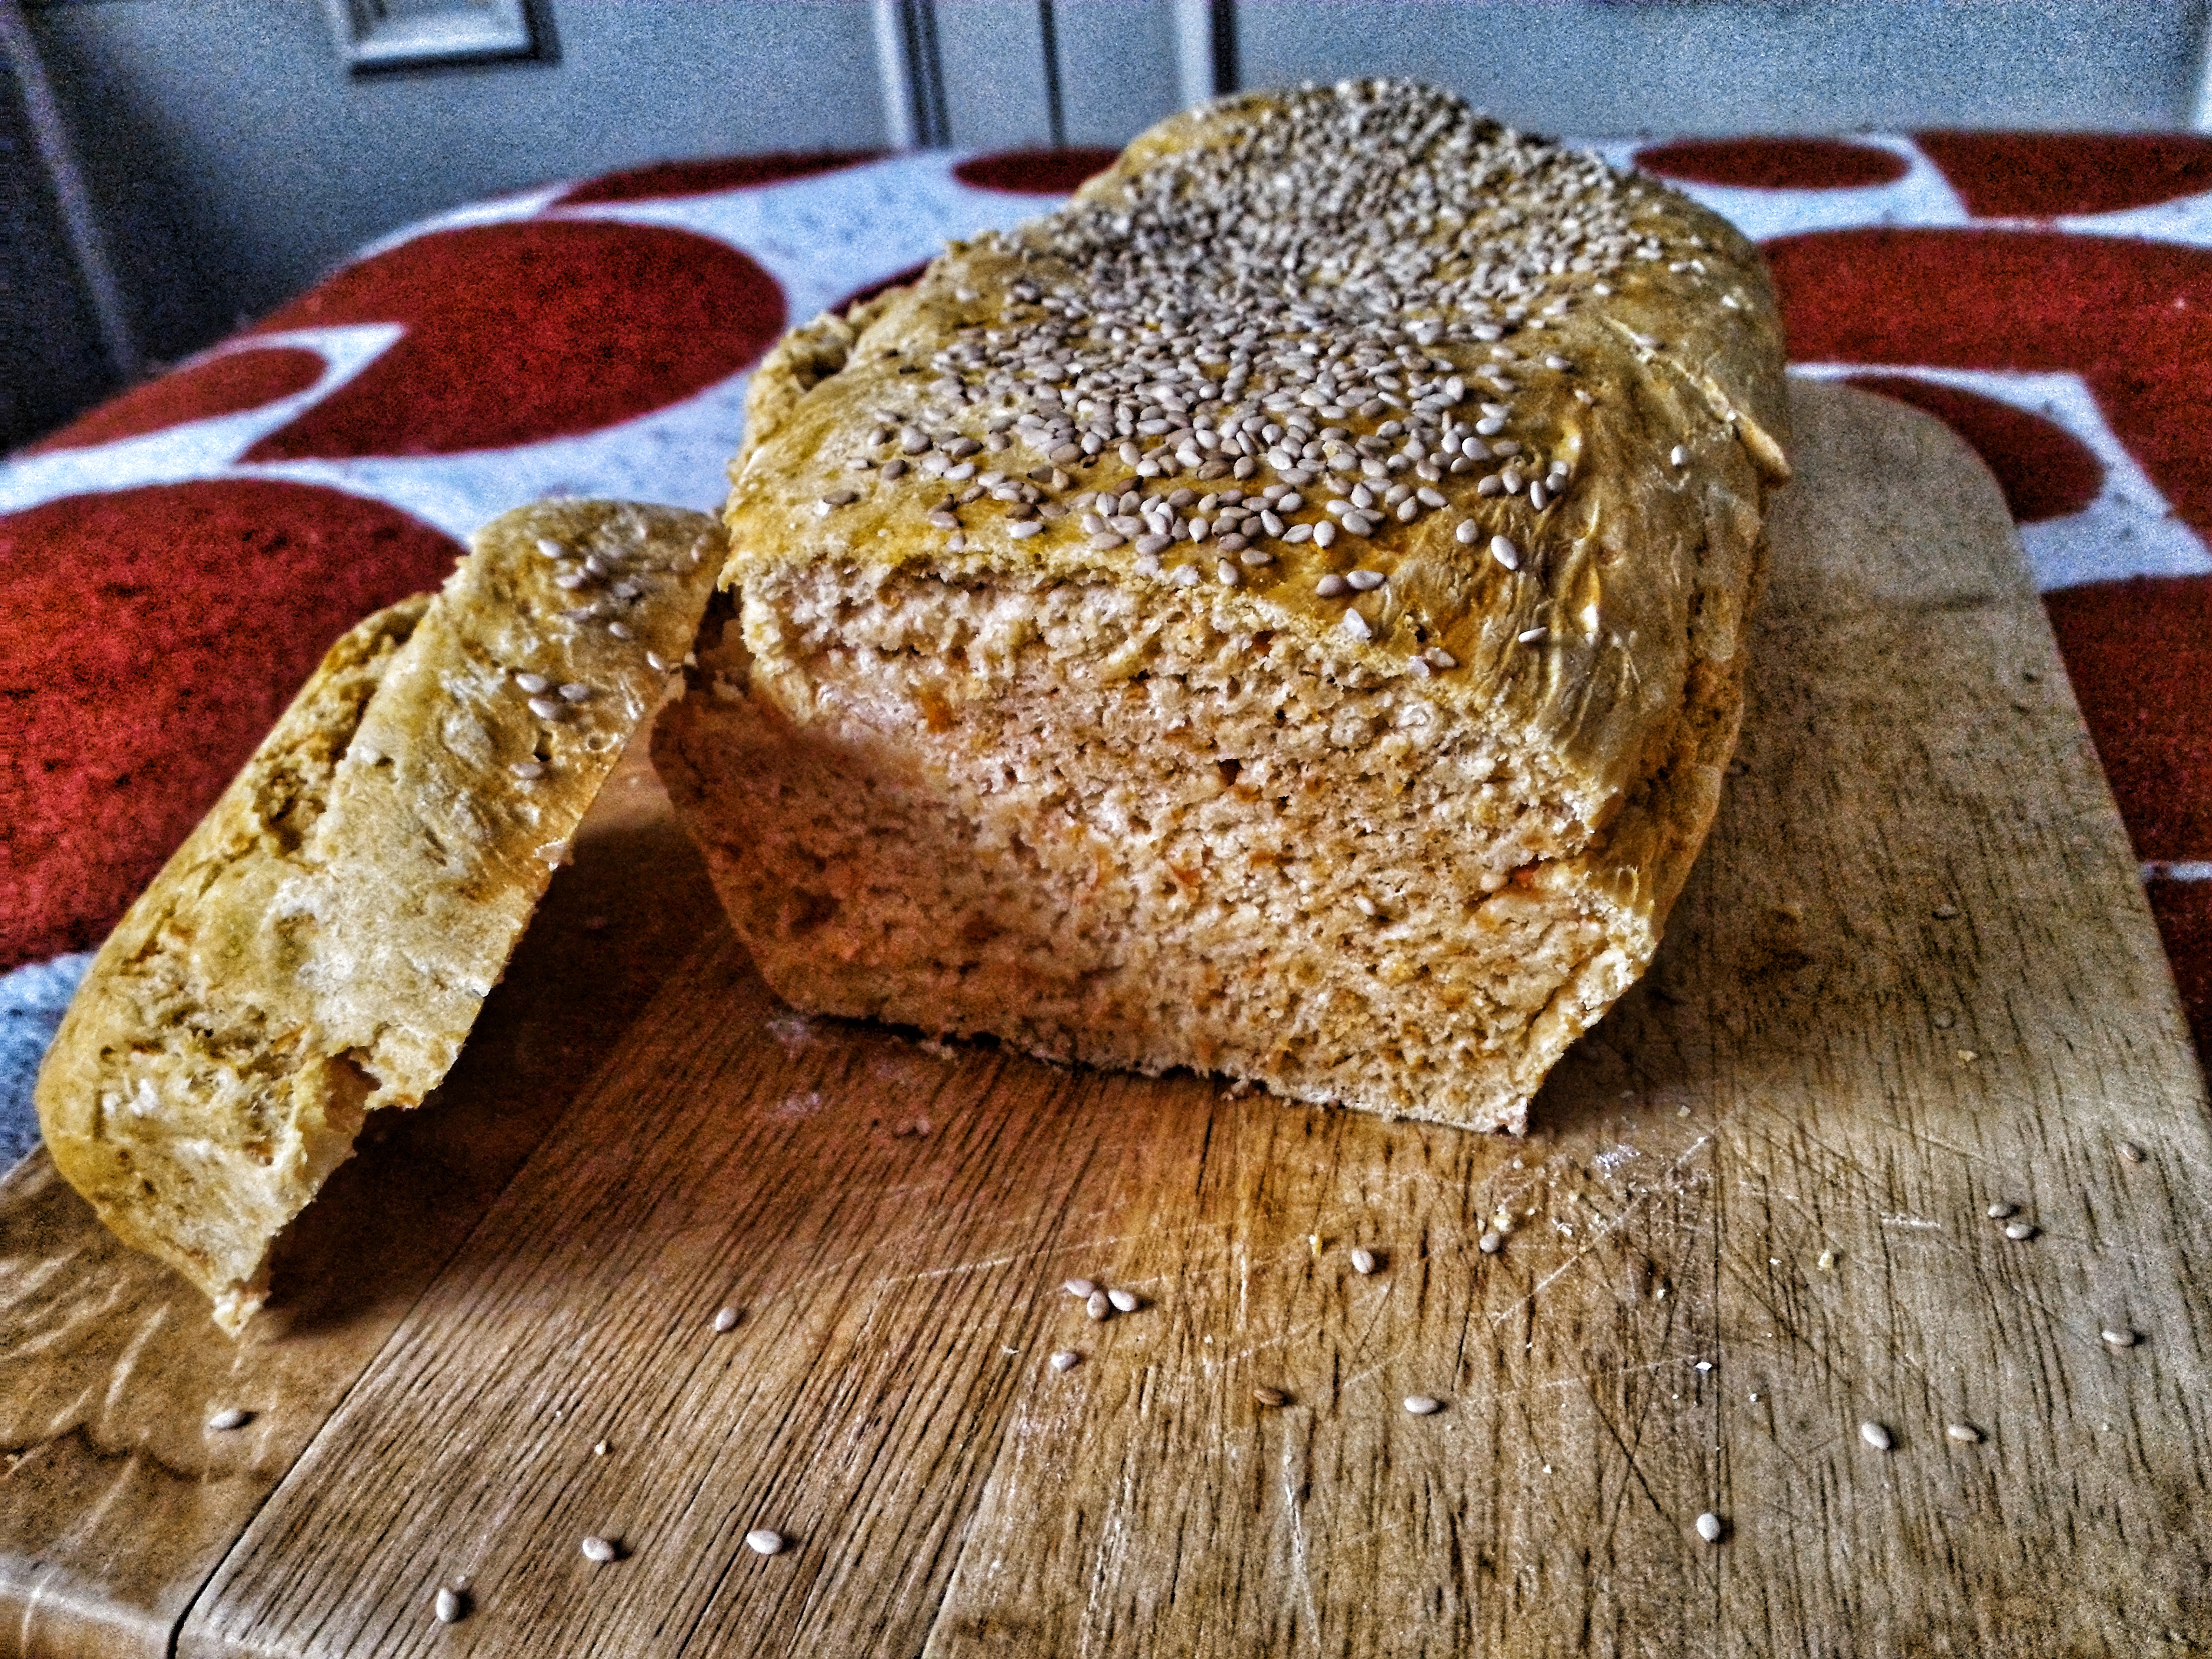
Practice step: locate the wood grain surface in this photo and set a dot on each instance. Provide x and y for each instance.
(116, 1499)
(1913, 977)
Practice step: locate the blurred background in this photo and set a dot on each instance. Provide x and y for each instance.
(173, 166)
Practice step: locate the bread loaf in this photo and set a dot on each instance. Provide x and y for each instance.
(1280, 615)
(319, 947)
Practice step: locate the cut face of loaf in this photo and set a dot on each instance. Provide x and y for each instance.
(1210, 629)
(319, 946)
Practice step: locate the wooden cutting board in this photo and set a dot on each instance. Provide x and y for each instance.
(1913, 978)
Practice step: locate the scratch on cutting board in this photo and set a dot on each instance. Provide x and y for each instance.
(1911, 1221)
(1298, 1539)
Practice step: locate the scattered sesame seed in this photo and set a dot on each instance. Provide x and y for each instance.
(1123, 1301)
(1079, 1287)
(1874, 1435)
(1421, 1406)
(601, 1447)
(762, 1540)
(600, 1549)
(1364, 1261)
(1944, 912)
(1679, 456)
(230, 1417)
(1266, 1396)
(1491, 1242)
(1066, 1360)
(1098, 1305)
(2129, 1150)
(2119, 1337)
(726, 1320)
(446, 1607)
(2001, 1210)
(1965, 1433)
(1530, 635)
(2019, 1231)
(1710, 1527)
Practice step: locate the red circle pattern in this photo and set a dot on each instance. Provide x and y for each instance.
(228, 383)
(149, 638)
(1775, 163)
(519, 332)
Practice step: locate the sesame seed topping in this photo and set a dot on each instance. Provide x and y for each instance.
(1679, 456)
(1530, 635)
(1331, 586)
(533, 684)
(575, 692)
(1363, 581)
(551, 549)
(1356, 625)
(529, 771)
(1502, 550)
(1022, 529)
(548, 708)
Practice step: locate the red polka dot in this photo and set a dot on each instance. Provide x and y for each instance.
(2044, 470)
(2184, 909)
(882, 285)
(1034, 172)
(2133, 319)
(221, 385)
(710, 177)
(524, 332)
(1775, 163)
(2028, 175)
(148, 641)
(2140, 654)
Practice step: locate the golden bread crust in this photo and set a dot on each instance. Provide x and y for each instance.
(319, 945)
(1346, 392)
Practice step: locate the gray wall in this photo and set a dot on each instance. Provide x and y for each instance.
(235, 159)
(231, 157)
